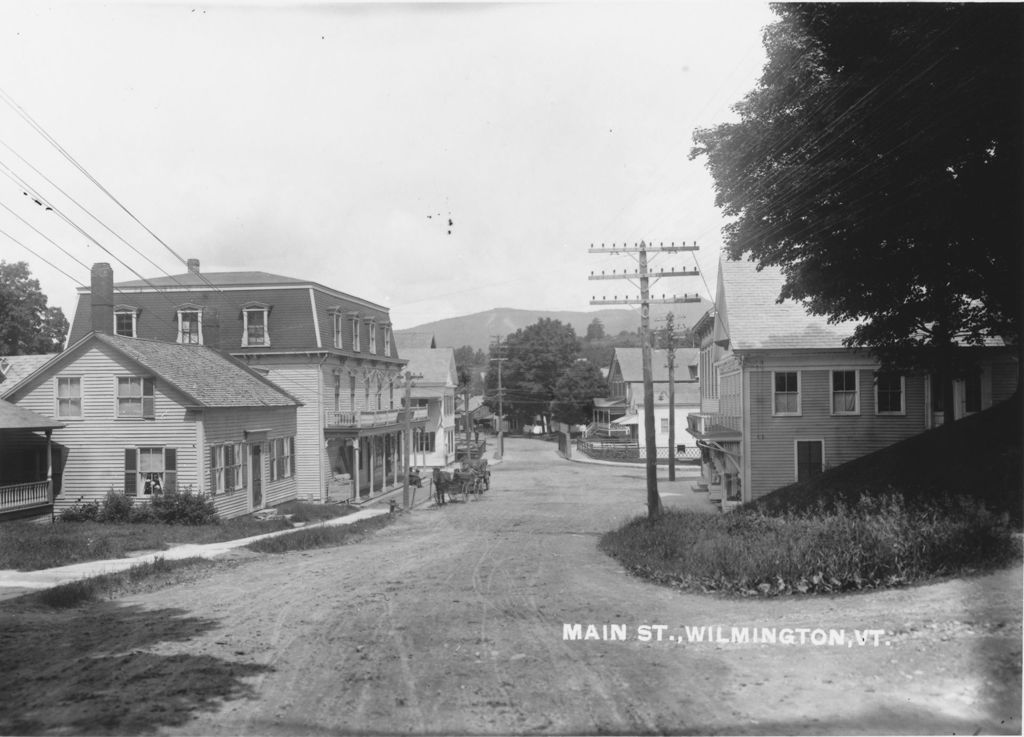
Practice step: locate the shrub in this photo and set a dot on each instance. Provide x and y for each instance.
(81, 512)
(116, 507)
(184, 508)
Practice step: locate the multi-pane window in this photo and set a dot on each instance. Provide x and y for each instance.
(844, 393)
(371, 328)
(391, 395)
(352, 392)
(149, 471)
(135, 397)
(664, 424)
(889, 394)
(255, 327)
(387, 340)
(282, 452)
(787, 393)
(190, 326)
(380, 391)
(337, 392)
(227, 468)
(339, 323)
(356, 338)
(69, 397)
(124, 322)
(425, 442)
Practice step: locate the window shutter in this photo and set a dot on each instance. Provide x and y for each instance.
(131, 478)
(148, 408)
(170, 469)
(213, 470)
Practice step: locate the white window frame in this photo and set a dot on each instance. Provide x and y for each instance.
(120, 311)
(282, 463)
(339, 326)
(168, 478)
(252, 309)
(222, 470)
(387, 341)
(145, 382)
(903, 399)
(664, 425)
(832, 393)
(356, 337)
(371, 329)
(199, 324)
(71, 381)
(799, 394)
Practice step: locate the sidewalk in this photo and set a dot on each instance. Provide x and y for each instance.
(17, 583)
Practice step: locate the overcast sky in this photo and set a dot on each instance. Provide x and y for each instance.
(333, 142)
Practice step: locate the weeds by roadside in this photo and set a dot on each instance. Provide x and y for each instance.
(320, 537)
(877, 542)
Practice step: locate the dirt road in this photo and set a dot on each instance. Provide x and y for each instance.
(452, 620)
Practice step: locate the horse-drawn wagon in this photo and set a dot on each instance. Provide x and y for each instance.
(472, 477)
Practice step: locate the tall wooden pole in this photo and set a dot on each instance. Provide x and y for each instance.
(671, 346)
(650, 441)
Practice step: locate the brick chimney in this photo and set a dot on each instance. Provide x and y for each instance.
(102, 298)
(193, 266)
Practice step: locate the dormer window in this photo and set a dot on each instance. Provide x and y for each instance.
(356, 337)
(190, 325)
(254, 325)
(387, 340)
(371, 328)
(339, 325)
(125, 320)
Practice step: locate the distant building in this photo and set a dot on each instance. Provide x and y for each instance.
(433, 392)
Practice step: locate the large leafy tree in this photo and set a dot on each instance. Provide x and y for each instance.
(27, 324)
(534, 359)
(878, 161)
(575, 391)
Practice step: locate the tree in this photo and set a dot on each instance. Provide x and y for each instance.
(474, 361)
(878, 162)
(535, 357)
(27, 324)
(595, 330)
(575, 391)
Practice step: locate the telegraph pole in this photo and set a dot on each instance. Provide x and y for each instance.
(644, 275)
(670, 345)
(501, 416)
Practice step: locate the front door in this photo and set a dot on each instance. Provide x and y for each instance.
(809, 457)
(257, 477)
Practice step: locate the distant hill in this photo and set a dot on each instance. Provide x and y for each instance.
(478, 330)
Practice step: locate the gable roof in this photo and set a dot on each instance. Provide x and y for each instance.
(434, 365)
(15, 369)
(207, 377)
(631, 364)
(407, 339)
(751, 317)
(13, 417)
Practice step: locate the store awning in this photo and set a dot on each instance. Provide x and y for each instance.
(627, 420)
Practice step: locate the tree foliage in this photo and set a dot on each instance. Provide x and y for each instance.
(27, 324)
(575, 392)
(879, 162)
(595, 330)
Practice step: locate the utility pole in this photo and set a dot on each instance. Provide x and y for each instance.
(501, 416)
(644, 275)
(670, 346)
(409, 376)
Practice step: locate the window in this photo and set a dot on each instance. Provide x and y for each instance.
(135, 397)
(371, 328)
(845, 397)
(124, 321)
(972, 393)
(387, 340)
(339, 324)
(356, 338)
(282, 451)
(664, 424)
(787, 393)
(391, 394)
(889, 391)
(69, 397)
(254, 328)
(810, 456)
(352, 392)
(425, 442)
(227, 468)
(337, 392)
(190, 325)
(149, 471)
(380, 391)
(366, 393)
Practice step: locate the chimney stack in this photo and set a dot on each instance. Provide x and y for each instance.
(102, 298)
(193, 266)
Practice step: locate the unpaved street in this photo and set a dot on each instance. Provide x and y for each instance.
(451, 621)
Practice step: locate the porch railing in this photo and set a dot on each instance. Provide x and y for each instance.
(14, 497)
(607, 430)
(372, 418)
(703, 422)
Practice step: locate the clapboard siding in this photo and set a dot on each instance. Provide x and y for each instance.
(1004, 380)
(771, 440)
(96, 443)
(304, 382)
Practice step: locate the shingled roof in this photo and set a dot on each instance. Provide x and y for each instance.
(754, 319)
(13, 417)
(632, 367)
(211, 378)
(15, 369)
(434, 365)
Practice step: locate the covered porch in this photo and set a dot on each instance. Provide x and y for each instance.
(31, 464)
(721, 462)
(368, 458)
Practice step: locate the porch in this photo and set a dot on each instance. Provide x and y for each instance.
(25, 496)
(30, 464)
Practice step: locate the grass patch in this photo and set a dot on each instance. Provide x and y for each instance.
(876, 543)
(321, 537)
(144, 576)
(307, 512)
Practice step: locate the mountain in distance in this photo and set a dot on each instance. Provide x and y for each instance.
(479, 329)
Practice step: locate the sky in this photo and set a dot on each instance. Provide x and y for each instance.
(334, 142)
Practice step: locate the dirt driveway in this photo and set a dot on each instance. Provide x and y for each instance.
(453, 620)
